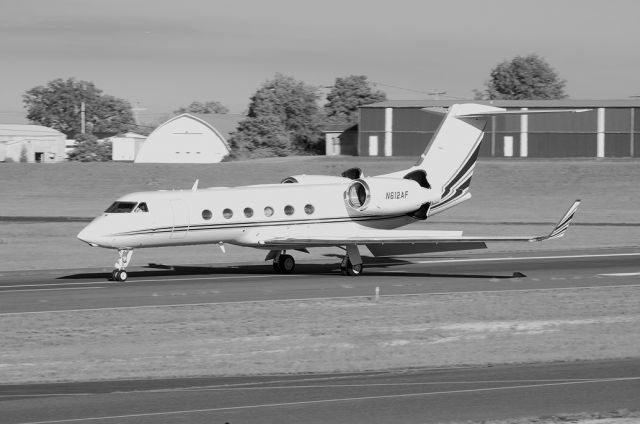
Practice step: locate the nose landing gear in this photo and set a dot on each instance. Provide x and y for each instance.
(120, 272)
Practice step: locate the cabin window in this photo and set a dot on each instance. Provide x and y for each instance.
(227, 213)
(268, 211)
(248, 212)
(288, 210)
(121, 207)
(142, 207)
(309, 209)
(206, 214)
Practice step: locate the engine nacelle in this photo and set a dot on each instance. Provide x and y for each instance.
(375, 195)
(315, 179)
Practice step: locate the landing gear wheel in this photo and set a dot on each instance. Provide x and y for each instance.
(354, 270)
(119, 275)
(350, 269)
(286, 264)
(124, 258)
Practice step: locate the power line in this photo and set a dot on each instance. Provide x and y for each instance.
(431, 92)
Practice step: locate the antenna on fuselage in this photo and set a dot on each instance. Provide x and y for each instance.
(195, 185)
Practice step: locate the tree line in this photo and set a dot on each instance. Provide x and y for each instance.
(284, 115)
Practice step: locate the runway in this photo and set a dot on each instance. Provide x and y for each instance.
(163, 284)
(406, 396)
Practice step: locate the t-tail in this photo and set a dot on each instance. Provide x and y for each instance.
(450, 157)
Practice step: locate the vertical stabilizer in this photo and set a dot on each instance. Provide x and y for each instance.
(450, 156)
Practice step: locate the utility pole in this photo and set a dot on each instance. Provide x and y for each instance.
(82, 119)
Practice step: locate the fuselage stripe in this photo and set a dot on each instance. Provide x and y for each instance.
(236, 225)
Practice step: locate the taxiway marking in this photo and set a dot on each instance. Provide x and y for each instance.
(307, 299)
(264, 386)
(528, 258)
(90, 283)
(56, 289)
(335, 400)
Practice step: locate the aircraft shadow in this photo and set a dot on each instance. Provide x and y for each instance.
(372, 268)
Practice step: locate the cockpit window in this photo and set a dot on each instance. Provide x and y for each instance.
(142, 207)
(121, 207)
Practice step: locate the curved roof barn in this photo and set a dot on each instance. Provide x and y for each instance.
(185, 138)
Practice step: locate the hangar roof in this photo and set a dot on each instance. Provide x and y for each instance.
(225, 123)
(27, 130)
(562, 103)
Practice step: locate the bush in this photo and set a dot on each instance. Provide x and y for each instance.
(89, 149)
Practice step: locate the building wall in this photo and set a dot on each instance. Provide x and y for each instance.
(601, 132)
(125, 148)
(40, 148)
(341, 143)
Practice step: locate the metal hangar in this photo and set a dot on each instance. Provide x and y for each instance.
(610, 129)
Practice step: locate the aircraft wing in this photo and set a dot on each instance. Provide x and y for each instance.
(382, 237)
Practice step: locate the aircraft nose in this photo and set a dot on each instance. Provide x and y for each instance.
(89, 235)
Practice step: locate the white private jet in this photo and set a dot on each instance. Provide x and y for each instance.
(306, 211)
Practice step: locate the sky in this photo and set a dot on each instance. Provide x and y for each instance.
(160, 55)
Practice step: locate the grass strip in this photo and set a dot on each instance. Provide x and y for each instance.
(321, 335)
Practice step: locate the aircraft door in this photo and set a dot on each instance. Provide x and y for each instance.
(180, 214)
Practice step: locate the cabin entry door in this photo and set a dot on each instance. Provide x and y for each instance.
(180, 219)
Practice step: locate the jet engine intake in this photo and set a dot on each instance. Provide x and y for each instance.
(377, 195)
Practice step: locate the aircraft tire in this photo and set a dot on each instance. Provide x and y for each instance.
(353, 270)
(119, 275)
(287, 264)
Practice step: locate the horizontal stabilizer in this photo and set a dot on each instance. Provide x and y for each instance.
(518, 112)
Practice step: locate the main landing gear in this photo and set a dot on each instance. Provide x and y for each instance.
(350, 269)
(282, 263)
(120, 271)
(351, 264)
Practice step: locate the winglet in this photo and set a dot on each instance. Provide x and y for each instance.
(195, 186)
(562, 225)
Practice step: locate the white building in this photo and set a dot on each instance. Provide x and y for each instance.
(188, 138)
(33, 143)
(127, 146)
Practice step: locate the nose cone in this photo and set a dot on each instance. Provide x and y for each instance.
(90, 235)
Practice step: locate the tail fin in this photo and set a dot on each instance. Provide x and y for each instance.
(450, 157)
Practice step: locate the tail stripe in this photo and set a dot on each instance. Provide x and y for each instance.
(468, 165)
(459, 184)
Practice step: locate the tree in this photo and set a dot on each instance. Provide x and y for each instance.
(523, 78)
(347, 95)
(206, 108)
(89, 149)
(286, 107)
(57, 105)
(23, 155)
(261, 137)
